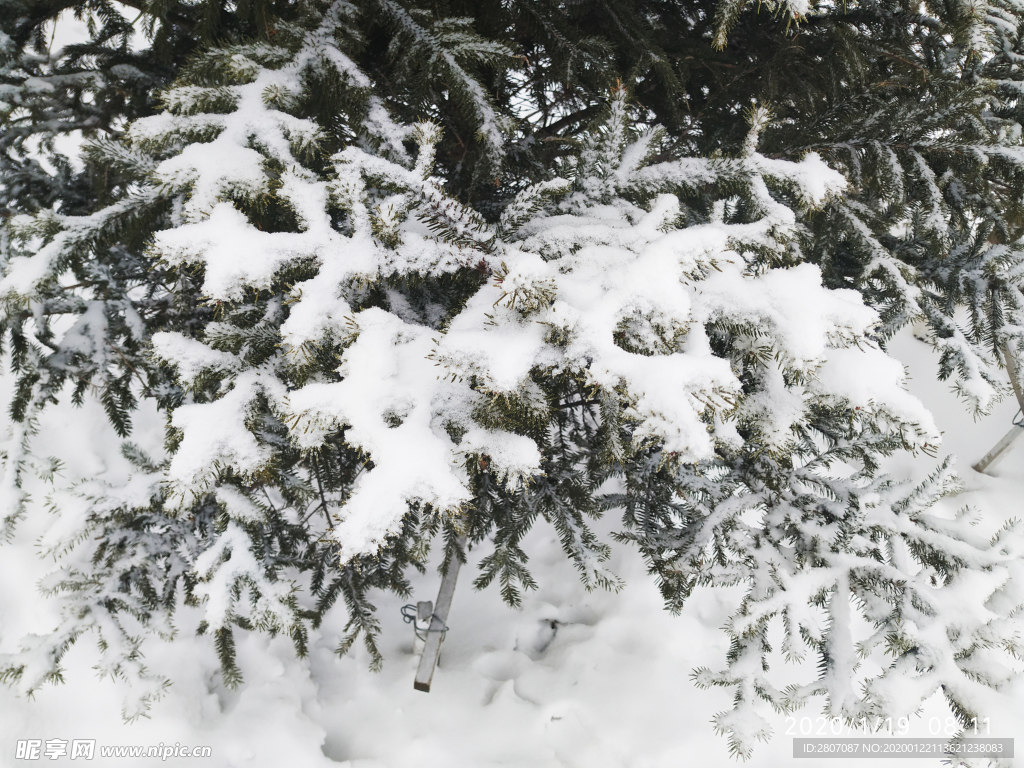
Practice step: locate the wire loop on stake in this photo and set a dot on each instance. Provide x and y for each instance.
(410, 615)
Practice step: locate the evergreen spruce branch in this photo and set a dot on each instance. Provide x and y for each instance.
(69, 238)
(15, 455)
(361, 621)
(115, 157)
(527, 204)
(947, 551)
(193, 100)
(169, 132)
(131, 574)
(447, 47)
(447, 218)
(236, 65)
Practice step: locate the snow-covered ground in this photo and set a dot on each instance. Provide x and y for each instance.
(576, 679)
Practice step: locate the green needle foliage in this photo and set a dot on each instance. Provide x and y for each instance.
(404, 274)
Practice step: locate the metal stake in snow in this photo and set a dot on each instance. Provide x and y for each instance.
(997, 453)
(438, 625)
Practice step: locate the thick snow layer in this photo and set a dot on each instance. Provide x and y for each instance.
(575, 679)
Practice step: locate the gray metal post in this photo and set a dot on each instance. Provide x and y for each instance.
(991, 458)
(438, 625)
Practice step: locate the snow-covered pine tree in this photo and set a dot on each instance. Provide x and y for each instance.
(293, 482)
(816, 537)
(929, 226)
(735, 398)
(917, 106)
(46, 97)
(229, 133)
(51, 100)
(895, 603)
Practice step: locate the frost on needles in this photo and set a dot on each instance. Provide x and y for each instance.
(355, 363)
